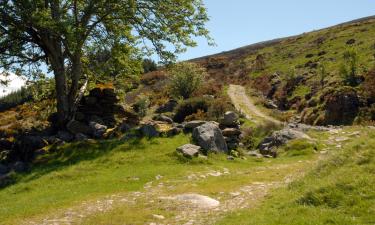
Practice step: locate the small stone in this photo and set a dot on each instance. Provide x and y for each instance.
(189, 150)
(231, 158)
(159, 217)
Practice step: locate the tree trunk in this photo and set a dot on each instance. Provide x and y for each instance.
(63, 107)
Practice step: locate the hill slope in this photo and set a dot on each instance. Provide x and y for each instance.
(303, 74)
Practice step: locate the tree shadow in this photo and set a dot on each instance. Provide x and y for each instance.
(71, 154)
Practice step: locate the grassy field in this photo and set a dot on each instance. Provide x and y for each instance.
(88, 172)
(338, 191)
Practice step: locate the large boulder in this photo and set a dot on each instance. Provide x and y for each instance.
(76, 127)
(189, 126)
(230, 119)
(189, 150)
(149, 130)
(209, 137)
(278, 138)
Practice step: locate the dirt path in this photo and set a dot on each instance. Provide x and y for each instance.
(185, 207)
(245, 105)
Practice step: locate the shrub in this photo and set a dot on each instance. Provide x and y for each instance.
(218, 107)
(185, 78)
(189, 107)
(349, 68)
(152, 77)
(149, 65)
(141, 106)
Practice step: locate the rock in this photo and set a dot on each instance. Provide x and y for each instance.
(3, 169)
(269, 104)
(159, 217)
(209, 137)
(228, 132)
(197, 200)
(230, 119)
(149, 130)
(19, 167)
(189, 150)
(279, 138)
(163, 118)
(341, 107)
(98, 130)
(81, 137)
(167, 107)
(231, 158)
(174, 131)
(76, 127)
(64, 136)
(193, 124)
(254, 154)
(350, 41)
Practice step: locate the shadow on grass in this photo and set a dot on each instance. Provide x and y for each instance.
(74, 153)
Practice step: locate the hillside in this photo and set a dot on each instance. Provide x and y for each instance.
(288, 71)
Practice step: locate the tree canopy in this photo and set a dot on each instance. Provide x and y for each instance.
(65, 34)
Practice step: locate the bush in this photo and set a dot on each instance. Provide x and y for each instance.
(189, 107)
(149, 65)
(218, 107)
(152, 77)
(185, 78)
(141, 106)
(349, 68)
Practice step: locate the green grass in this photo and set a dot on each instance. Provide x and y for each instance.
(88, 171)
(339, 191)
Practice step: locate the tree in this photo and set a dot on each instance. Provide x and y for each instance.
(62, 33)
(149, 65)
(185, 78)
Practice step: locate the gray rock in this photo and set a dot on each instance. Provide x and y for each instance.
(81, 137)
(189, 150)
(167, 107)
(230, 119)
(163, 118)
(279, 138)
(228, 132)
(65, 136)
(270, 104)
(209, 137)
(97, 129)
(174, 131)
(76, 127)
(3, 169)
(19, 167)
(149, 130)
(5, 180)
(193, 124)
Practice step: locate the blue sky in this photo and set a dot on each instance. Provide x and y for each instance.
(235, 23)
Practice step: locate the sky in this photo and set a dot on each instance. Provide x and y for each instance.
(14, 83)
(236, 23)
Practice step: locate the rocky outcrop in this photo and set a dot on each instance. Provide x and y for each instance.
(230, 119)
(269, 145)
(189, 150)
(210, 138)
(341, 107)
